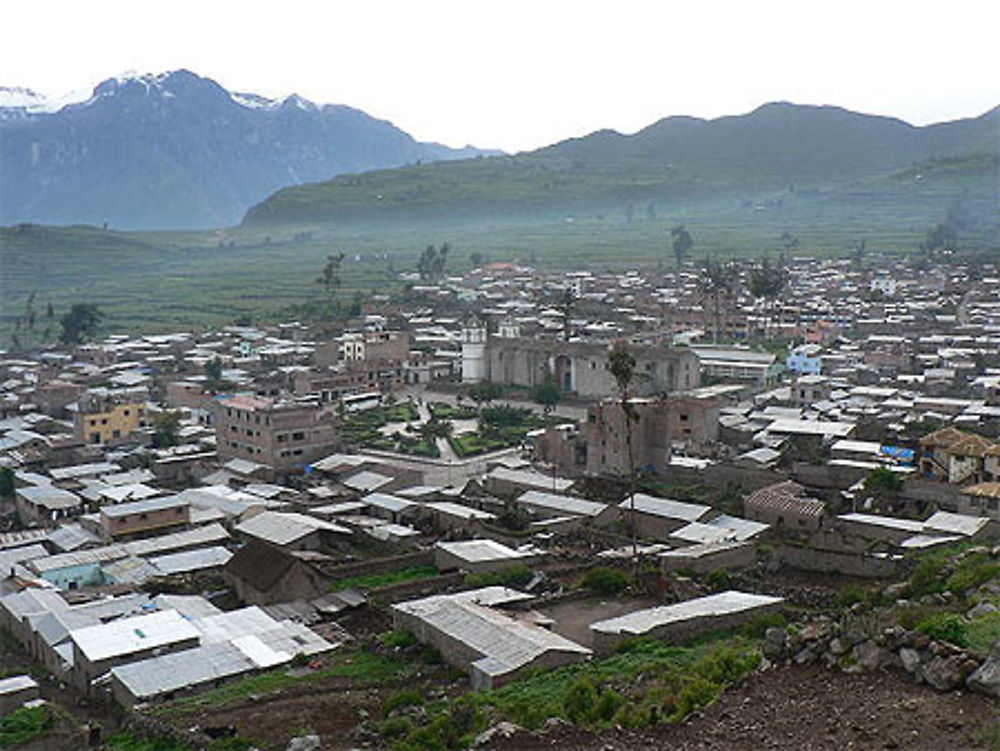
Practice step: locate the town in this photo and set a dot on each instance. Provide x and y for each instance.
(508, 504)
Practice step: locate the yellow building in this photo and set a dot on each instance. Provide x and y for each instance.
(114, 421)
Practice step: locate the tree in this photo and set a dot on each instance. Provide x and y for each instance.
(476, 259)
(213, 375)
(941, 237)
(717, 281)
(767, 281)
(567, 301)
(6, 482)
(883, 482)
(330, 276)
(80, 323)
(432, 262)
(789, 242)
(165, 427)
(484, 393)
(546, 393)
(622, 364)
(681, 242)
(435, 428)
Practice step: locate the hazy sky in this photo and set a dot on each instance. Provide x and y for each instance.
(518, 75)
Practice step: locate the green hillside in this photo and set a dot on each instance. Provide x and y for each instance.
(677, 163)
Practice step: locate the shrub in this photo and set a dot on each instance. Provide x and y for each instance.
(925, 578)
(718, 579)
(580, 700)
(849, 595)
(949, 627)
(513, 576)
(698, 693)
(398, 638)
(972, 571)
(605, 580)
(402, 699)
(396, 727)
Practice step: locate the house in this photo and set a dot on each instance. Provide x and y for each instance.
(683, 620)
(283, 435)
(955, 456)
(46, 504)
(263, 575)
(97, 649)
(655, 518)
(479, 556)
(785, 506)
(805, 359)
(143, 518)
(109, 415)
(472, 634)
(289, 530)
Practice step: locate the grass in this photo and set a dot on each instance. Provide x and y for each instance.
(125, 741)
(647, 682)
(981, 633)
(373, 581)
(367, 668)
(24, 724)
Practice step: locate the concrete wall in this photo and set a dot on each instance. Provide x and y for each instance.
(829, 561)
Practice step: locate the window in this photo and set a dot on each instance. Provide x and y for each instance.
(178, 511)
(282, 438)
(143, 517)
(125, 412)
(684, 418)
(298, 436)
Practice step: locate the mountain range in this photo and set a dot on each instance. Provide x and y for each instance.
(177, 150)
(779, 147)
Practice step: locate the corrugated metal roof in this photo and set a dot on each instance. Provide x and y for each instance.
(191, 560)
(146, 506)
(562, 504)
(130, 635)
(666, 508)
(285, 528)
(723, 603)
(388, 502)
(483, 550)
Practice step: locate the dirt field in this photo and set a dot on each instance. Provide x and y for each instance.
(573, 618)
(804, 709)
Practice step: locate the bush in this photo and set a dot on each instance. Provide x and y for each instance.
(972, 571)
(397, 639)
(949, 627)
(718, 579)
(849, 595)
(925, 578)
(396, 727)
(698, 693)
(580, 700)
(402, 699)
(605, 580)
(512, 576)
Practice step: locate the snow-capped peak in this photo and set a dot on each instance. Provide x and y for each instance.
(32, 102)
(253, 101)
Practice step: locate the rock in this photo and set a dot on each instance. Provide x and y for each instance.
(837, 646)
(806, 656)
(943, 673)
(895, 591)
(498, 731)
(869, 655)
(986, 678)
(304, 743)
(983, 608)
(775, 642)
(910, 659)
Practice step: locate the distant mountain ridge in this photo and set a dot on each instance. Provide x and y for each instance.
(177, 150)
(778, 146)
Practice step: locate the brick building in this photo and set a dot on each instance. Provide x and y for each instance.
(283, 435)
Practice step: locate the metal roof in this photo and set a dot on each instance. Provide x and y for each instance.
(191, 560)
(130, 635)
(285, 528)
(366, 481)
(483, 550)
(457, 509)
(666, 508)
(146, 506)
(560, 503)
(723, 603)
(206, 535)
(388, 502)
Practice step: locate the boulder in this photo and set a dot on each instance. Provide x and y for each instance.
(986, 678)
(870, 655)
(983, 608)
(944, 673)
(498, 731)
(304, 743)
(775, 642)
(910, 658)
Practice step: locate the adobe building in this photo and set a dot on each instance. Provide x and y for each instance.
(285, 436)
(663, 424)
(142, 518)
